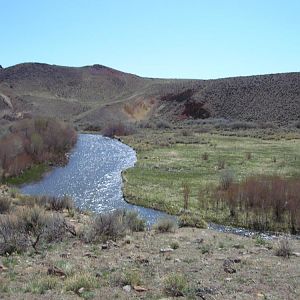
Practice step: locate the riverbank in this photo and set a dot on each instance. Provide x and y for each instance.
(171, 161)
(33, 145)
(194, 263)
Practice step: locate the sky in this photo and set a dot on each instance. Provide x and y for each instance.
(155, 38)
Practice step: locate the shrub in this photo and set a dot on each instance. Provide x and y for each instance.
(191, 220)
(248, 155)
(186, 132)
(81, 280)
(5, 204)
(107, 226)
(175, 285)
(260, 241)
(205, 156)
(66, 267)
(163, 124)
(206, 249)
(186, 195)
(118, 129)
(226, 179)
(242, 125)
(174, 245)
(133, 221)
(29, 227)
(56, 203)
(41, 285)
(12, 238)
(165, 225)
(132, 278)
(297, 124)
(221, 164)
(283, 249)
(32, 141)
(114, 225)
(270, 202)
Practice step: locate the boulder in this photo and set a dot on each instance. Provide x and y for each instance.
(127, 288)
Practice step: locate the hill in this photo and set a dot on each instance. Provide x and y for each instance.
(91, 96)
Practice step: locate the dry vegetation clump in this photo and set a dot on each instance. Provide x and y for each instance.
(205, 156)
(265, 202)
(81, 281)
(118, 129)
(5, 204)
(29, 227)
(33, 222)
(165, 225)
(155, 124)
(297, 124)
(283, 249)
(189, 219)
(33, 141)
(56, 203)
(226, 179)
(163, 124)
(175, 285)
(114, 225)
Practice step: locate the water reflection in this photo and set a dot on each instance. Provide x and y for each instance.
(93, 177)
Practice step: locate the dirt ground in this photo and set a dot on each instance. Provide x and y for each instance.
(215, 266)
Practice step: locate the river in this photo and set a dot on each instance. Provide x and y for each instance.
(92, 177)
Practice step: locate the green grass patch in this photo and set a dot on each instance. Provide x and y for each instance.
(157, 179)
(35, 173)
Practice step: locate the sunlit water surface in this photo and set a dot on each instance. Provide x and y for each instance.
(92, 177)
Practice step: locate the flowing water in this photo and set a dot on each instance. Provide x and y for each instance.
(92, 177)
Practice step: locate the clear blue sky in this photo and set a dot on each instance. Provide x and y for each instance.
(155, 38)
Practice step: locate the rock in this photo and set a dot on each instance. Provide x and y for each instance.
(194, 270)
(297, 254)
(90, 255)
(166, 250)
(199, 241)
(65, 255)
(127, 239)
(81, 290)
(56, 272)
(220, 258)
(104, 247)
(127, 288)
(229, 270)
(235, 260)
(202, 292)
(138, 288)
(228, 266)
(228, 279)
(2, 268)
(142, 260)
(177, 260)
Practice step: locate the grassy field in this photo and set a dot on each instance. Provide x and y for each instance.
(169, 159)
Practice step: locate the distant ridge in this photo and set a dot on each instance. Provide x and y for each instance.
(94, 95)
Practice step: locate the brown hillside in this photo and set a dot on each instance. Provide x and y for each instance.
(94, 95)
